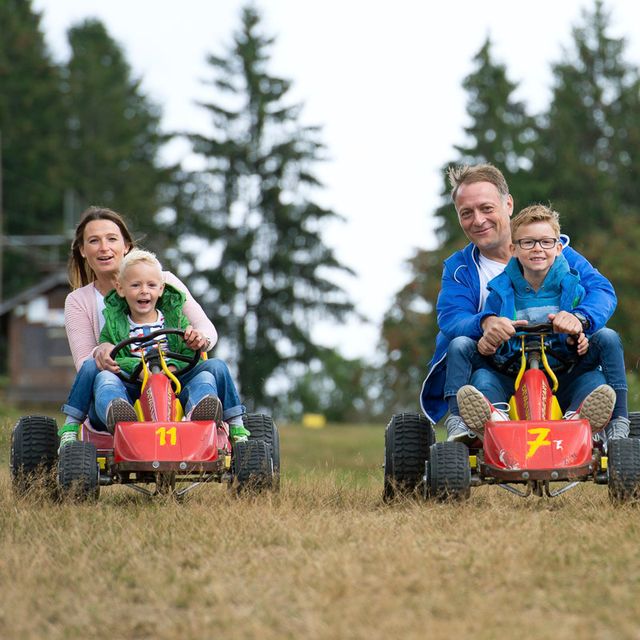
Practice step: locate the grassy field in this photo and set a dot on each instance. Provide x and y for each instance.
(323, 559)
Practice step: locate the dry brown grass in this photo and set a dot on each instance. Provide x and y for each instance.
(324, 559)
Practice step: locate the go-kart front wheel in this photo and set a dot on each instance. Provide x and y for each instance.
(253, 465)
(262, 427)
(634, 424)
(78, 475)
(623, 469)
(407, 439)
(34, 451)
(449, 473)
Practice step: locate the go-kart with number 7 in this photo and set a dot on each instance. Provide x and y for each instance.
(535, 451)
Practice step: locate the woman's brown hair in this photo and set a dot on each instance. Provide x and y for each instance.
(79, 272)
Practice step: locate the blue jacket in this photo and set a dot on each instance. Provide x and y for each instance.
(561, 281)
(459, 313)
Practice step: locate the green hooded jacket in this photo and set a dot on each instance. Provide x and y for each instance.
(116, 327)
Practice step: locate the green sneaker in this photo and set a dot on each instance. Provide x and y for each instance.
(238, 433)
(68, 433)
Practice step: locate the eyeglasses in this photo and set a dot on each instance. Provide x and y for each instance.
(529, 243)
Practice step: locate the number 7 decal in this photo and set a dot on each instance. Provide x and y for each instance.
(540, 441)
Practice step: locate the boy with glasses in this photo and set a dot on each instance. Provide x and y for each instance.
(536, 286)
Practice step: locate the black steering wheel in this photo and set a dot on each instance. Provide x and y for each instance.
(535, 331)
(154, 359)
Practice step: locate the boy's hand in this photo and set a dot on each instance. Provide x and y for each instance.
(194, 339)
(565, 322)
(498, 330)
(581, 341)
(485, 348)
(104, 361)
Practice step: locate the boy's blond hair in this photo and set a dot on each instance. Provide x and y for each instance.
(536, 213)
(138, 256)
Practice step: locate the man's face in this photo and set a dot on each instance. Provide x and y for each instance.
(484, 216)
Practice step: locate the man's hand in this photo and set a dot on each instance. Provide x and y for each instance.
(498, 330)
(103, 360)
(194, 339)
(565, 322)
(581, 341)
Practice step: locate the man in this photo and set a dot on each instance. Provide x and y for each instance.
(484, 206)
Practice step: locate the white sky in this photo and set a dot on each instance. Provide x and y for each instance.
(383, 78)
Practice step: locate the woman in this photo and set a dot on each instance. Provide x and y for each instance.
(101, 240)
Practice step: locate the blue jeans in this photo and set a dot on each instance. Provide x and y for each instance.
(605, 351)
(209, 377)
(572, 390)
(462, 360)
(80, 404)
(603, 363)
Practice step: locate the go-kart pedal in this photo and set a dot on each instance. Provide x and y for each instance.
(209, 408)
(119, 410)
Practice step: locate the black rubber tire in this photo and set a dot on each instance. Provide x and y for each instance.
(253, 466)
(449, 472)
(634, 424)
(262, 427)
(407, 439)
(34, 453)
(78, 474)
(624, 470)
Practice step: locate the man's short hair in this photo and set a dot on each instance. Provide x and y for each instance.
(536, 213)
(468, 174)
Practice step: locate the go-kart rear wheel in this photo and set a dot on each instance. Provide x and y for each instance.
(407, 439)
(262, 427)
(634, 424)
(253, 465)
(34, 451)
(78, 474)
(449, 475)
(623, 470)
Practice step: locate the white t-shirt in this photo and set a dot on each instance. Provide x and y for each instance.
(100, 307)
(488, 269)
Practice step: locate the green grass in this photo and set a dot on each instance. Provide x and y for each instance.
(353, 452)
(324, 558)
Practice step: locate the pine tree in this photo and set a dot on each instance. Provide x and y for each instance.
(32, 138)
(589, 165)
(589, 162)
(261, 262)
(114, 131)
(501, 132)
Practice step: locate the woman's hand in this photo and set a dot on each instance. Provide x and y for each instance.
(194, 339)
(103, 360)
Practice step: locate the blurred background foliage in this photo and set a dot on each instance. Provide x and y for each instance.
(245, 230)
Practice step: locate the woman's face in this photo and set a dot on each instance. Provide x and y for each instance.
(103, 247)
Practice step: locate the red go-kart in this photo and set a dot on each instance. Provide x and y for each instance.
(160, 448)
(534, 452)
